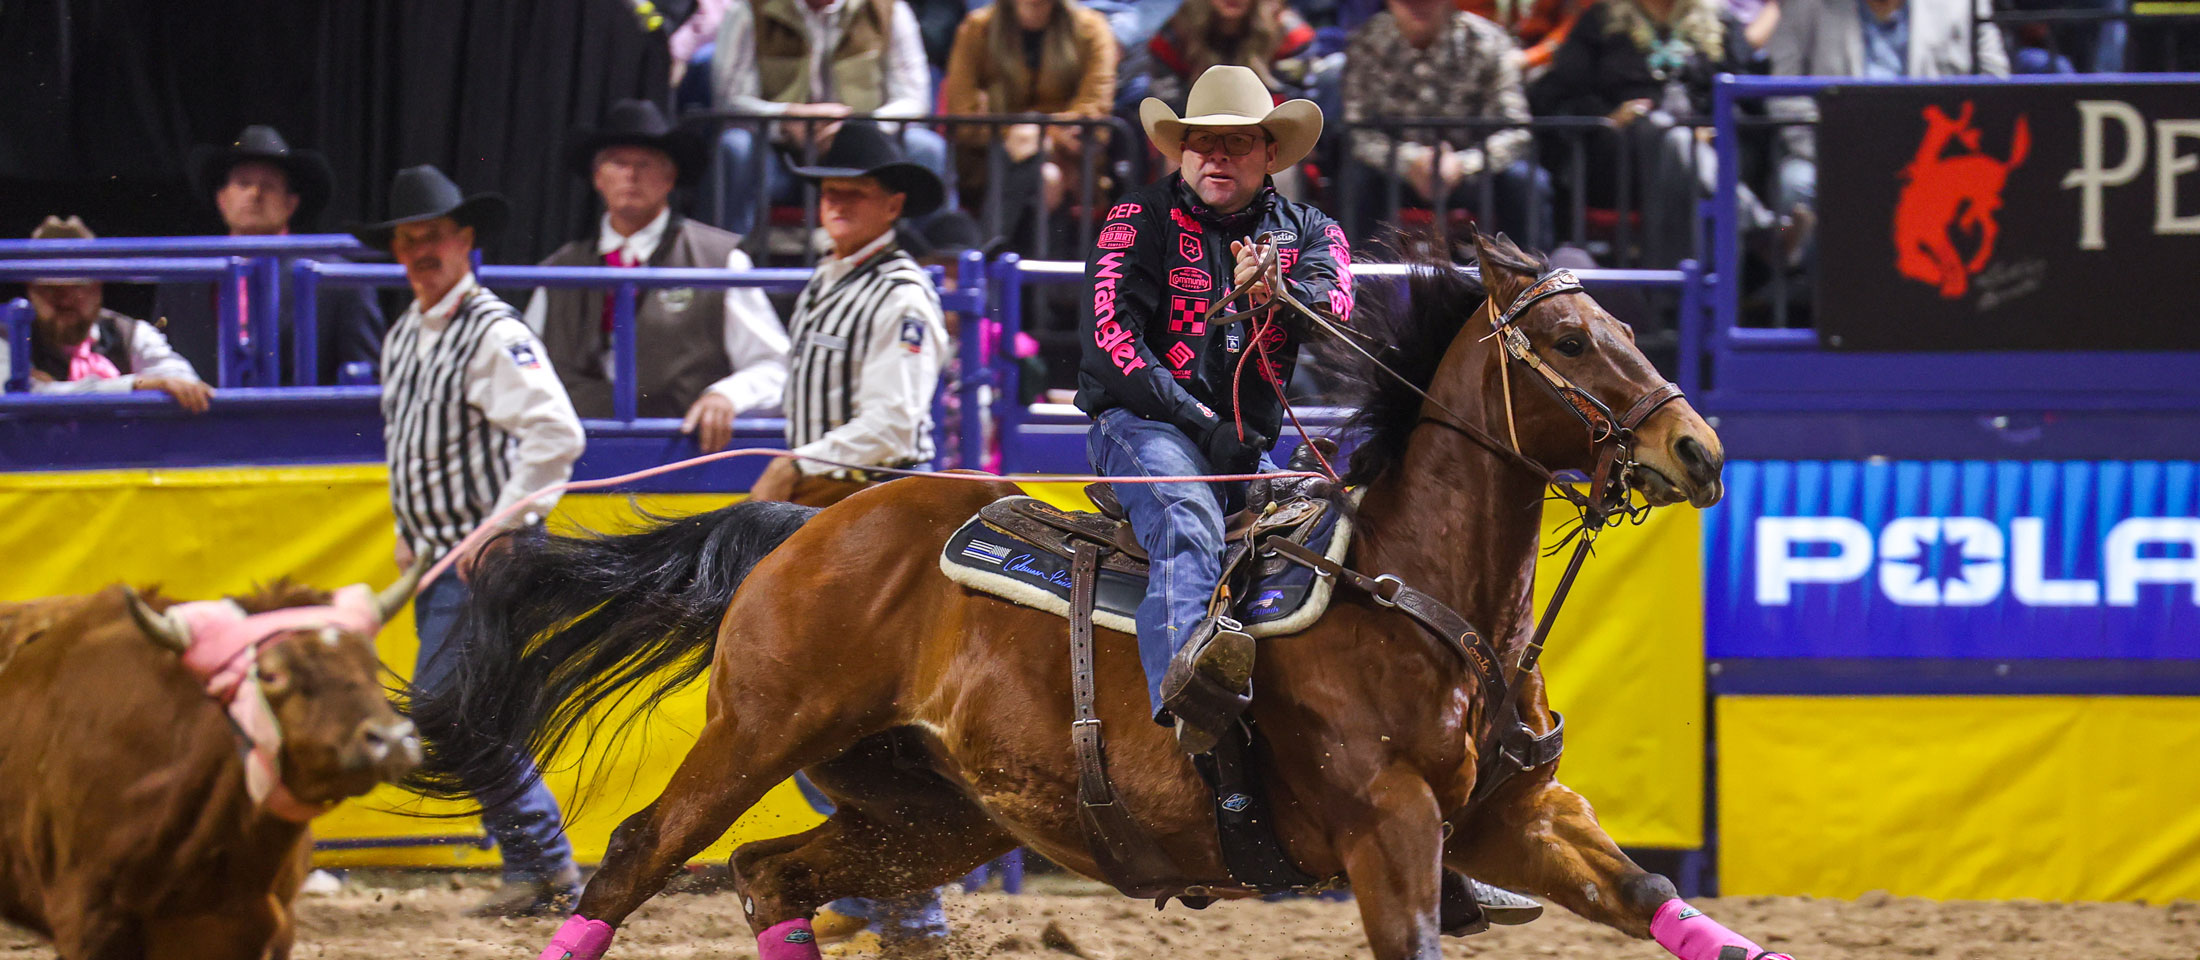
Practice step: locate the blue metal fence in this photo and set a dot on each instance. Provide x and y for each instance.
(247, 357)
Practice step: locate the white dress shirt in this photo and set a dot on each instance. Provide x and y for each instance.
(525, 401)
(756, 343)
(893, 398)
(150, 356)
(908, 76)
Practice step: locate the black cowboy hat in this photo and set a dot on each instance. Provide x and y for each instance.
(309, 172)
(424, 193)
(861, 149)
(639, 123)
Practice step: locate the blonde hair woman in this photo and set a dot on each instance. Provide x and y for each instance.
(1055, 57)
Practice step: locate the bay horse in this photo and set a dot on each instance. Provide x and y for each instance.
(938, 719)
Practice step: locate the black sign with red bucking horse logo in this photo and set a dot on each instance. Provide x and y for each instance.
(1995, 216)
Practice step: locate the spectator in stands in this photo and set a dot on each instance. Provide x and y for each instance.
(704, 355)
(694, 36)
(1043, 56)
(263, 187)
(1866, 38)
(1648, 66)
(474, 422)
(867, 331)
(818, 61)
(79, 346)
(1265, 35)
(1423, 58)
(1545, 26)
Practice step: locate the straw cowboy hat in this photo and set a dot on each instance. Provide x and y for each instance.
(1233, 96)
(424, 193)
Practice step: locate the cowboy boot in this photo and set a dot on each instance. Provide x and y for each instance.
(1209, 683)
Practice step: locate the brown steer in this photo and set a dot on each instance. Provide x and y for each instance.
(126, 826)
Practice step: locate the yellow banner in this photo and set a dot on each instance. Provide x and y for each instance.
(2055, 798)
(203, 533)
(1625, 664)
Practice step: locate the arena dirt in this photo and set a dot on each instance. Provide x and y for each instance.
(378, 919)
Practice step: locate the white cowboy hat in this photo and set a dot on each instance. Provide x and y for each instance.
(1233, 96)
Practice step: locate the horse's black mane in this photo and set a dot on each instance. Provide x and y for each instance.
(1439, 299)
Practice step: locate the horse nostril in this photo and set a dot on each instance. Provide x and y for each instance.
(1692, 454)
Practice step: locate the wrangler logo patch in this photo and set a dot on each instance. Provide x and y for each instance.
(1107, 333)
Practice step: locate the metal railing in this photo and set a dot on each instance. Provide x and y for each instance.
(1479, 133)
(624, 284)
(247, 357)
(1097, 136)
(2139, 13)
(298, 245)
(262, 282)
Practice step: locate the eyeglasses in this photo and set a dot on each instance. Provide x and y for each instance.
(1233, 144)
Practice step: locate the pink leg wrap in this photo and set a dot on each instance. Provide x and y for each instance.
(788, 940)
(580, 938)
(1686, 933)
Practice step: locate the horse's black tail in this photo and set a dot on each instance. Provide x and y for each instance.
(561, 634)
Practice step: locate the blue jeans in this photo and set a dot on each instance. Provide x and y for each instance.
(1178, 524)
(746, 177)
(528, 830)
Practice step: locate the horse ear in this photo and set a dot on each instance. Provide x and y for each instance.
(1502, 282)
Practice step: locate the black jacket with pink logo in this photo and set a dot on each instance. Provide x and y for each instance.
(1157, 265)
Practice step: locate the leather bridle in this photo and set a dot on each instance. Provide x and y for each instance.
(1612, 435)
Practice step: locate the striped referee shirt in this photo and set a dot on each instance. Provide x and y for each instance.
(473, 418)
(868, 340)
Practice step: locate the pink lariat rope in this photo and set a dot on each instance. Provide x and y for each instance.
(489, 527)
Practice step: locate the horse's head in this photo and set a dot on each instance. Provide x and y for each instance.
(1677, 455)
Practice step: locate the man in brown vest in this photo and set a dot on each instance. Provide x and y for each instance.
(701, 355)
(819, 61)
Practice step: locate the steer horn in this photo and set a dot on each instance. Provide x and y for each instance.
(163, 629)
(393, 597)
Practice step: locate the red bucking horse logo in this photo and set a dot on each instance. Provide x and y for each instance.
(1947, 193)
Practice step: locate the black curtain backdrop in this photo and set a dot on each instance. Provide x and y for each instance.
(105, 98)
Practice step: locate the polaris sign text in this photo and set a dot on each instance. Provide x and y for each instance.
(1956, 560)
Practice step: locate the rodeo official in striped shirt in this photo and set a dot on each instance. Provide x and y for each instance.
(868, 333)
(474, 420)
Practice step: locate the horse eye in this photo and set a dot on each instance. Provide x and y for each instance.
(1572, 346)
